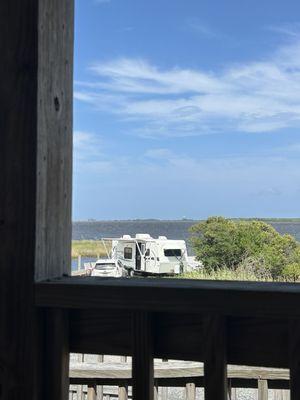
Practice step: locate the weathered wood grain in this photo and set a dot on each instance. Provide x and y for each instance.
(142, 356)
(35, 47)
(172, 369)
(92, 392)
(190, 391)
(54, 139)
(123, 392)
(262, 390)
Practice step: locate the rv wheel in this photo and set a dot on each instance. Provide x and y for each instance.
(131, 273)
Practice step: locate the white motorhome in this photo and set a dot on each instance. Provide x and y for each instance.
(145, 255)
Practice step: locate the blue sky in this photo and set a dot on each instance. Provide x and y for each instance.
(186, 109)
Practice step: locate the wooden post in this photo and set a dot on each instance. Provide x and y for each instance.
(190, 391)
(215, 361)
(123, 389)
(79, 262)
(164, 389)
(92, 392)
(56, 360)
(294, 359)
(142, 357)
(123, 392)
(35, 179)
(262, 389)
(100, 387)
(80, 394)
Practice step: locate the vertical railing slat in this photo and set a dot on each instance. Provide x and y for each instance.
(123, 392)
(190, 391)
(92, 392)
(142, 356)
(100, 387)
(215, 360)
(294, 359)
(262, 388)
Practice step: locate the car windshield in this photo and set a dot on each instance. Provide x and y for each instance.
(100, 266)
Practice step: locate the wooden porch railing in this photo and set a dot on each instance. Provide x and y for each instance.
(116, 376)
(218, 323)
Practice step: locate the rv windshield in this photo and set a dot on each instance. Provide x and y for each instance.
(172, 252)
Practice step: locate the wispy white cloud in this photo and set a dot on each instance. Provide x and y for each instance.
(86, 144)
(287, 29)
(200, 27)
(258, 96)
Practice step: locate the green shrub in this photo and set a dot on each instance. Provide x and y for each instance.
(291, 272)
(252, 246)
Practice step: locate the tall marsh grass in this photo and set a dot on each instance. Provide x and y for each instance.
(89, 248)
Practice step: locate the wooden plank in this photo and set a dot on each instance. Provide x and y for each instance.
(35, 51)
(142, 356)
(123, 389)
(262, 390)
(123, 392)
(80, 394)
(173, 369)
(215, 362)
(190, 391)
(54, 155)
(294, 355)
(92, 392)
(100, 387)
(173, 295)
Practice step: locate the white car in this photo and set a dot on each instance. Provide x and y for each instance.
(106, 267)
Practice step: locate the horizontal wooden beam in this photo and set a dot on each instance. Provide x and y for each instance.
(181, 382)
(175, 374)
(171, 370)
(193, 296)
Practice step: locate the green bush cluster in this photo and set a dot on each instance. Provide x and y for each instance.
(252, 246)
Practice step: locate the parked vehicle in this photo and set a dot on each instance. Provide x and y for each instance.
(105, 267)
(144, 255)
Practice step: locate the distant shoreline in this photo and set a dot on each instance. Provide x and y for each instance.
(185, 220)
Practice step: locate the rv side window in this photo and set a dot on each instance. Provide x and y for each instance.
(147, 254)
(172, 252)
(128, 253)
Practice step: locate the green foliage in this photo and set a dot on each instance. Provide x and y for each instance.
(252, 246)
(291, 272)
